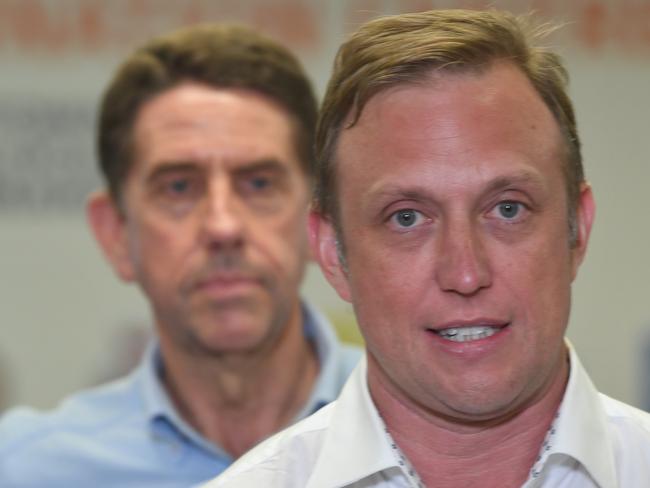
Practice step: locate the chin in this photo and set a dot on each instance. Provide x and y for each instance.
(241, 341)
(479, 402)
(488, 412)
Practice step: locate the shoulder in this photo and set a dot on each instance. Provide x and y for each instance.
(629, 436)
(67, 432)
(285, 460)
(626, 418)
(89, 409)
(629, 428)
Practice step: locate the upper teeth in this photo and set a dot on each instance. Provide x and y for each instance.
(462, 334)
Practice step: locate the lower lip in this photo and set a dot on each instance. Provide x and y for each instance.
(471, 348)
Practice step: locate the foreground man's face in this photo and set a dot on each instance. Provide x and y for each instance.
(454, 222)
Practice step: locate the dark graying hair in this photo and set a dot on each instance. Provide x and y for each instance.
(220, 56)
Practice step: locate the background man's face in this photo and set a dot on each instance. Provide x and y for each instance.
(454, 218)
(215, 210)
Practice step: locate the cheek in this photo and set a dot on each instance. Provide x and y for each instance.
(390, 301)
(387, 286)
(282, 242)
(159, 252)
(538, 283)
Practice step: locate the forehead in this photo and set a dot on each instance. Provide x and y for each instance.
(457, 122)
(194, 122)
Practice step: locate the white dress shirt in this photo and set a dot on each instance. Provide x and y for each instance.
(595, 441)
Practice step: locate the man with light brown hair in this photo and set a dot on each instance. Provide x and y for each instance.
(205, 141)
(452, 211)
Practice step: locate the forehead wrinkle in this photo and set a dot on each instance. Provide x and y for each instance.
(408, 133)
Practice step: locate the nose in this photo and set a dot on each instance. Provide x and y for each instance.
(462, 264)
(223, 222)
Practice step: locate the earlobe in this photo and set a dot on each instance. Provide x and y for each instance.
(107, 225)
(325, 250)
(585, 214)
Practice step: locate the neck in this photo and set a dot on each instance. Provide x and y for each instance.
(491, 453)
(236, 402)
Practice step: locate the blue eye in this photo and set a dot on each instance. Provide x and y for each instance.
(179, 186)
(260, 183)
(182, 188)
(406, 218)
(509, 210)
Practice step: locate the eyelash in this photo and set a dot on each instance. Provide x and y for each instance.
(521, 208)
(173, 185)
(519, 215)
(418, 217)
(179, 187)
(252, 183)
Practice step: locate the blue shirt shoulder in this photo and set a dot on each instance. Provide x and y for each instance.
(127, 433)
(95, 438)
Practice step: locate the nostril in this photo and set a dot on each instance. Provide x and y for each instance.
(225, 243)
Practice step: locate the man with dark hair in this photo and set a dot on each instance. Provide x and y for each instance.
(205, 140)
(452, 211)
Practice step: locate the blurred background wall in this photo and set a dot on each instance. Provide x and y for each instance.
(65, 320)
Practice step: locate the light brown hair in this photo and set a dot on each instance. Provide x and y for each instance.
(406, 48)
(220, 56)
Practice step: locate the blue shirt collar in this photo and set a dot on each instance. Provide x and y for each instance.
(322, 336)
(165, 420)
(163, 417)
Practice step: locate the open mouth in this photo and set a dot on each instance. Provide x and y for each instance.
(468, 333)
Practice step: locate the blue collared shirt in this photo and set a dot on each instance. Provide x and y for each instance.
(128, 433)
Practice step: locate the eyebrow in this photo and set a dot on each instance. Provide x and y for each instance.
(513, 180)
(423, 194)
(170, 167)
(419, 194)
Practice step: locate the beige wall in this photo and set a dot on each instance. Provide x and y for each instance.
(64, 314)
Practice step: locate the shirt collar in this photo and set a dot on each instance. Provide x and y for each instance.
(160, 409)
(328, 350)
(355, 445)
(582, 431)
(161, 413)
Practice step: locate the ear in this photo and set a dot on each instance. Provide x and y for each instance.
(584, 219)
(323, 244)
(108, 226)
